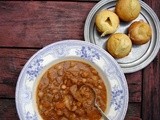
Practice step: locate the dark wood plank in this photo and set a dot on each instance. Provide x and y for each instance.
(11, 61)
(8, 110)
(132, 118)
(134, 110)
(151, 80)
(45, 22)
(151, 90)
(30, 24)
(134, 81)
(36, 24)
(155, 5)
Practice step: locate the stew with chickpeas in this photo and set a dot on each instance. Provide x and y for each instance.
(61, 94)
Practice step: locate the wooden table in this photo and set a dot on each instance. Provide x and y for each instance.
(26, 27)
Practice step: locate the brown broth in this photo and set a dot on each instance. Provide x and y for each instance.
(60, 95)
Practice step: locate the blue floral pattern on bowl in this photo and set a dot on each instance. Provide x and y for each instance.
(88, 53)
(34, 68)
(117, 97)
(79, 49)
(30, 116)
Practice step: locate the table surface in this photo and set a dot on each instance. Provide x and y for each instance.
(26, 27)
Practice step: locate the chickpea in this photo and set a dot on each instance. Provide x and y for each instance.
(41, 107)
(73, 64)
(74, 108)
(94, 77)
(94, 72)
(60, 72)
(59, 67)
(84, 74)
(99, 86)
(84, 80)
(40, 94)
(63, 87)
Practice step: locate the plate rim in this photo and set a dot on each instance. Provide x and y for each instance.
(126, 101)
(156, 21)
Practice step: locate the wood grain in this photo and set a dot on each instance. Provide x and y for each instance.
(8, 110)
(155, 5)
(11, 61)
(134, 81)
(25, 27)
(41, 22)
(134, 110)
(132, 118)
(151, 80)
(151, 91)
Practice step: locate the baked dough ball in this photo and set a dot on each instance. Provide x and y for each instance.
(128, 10)
(119, 45)
(107, 22)
(139, 32)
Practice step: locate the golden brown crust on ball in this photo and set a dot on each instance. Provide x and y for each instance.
(139, 32)
(119, 45)
(128, 10)
(107, 22)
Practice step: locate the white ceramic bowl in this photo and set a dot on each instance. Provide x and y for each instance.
(72, 49)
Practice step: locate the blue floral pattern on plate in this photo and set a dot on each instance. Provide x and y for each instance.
(76, 48)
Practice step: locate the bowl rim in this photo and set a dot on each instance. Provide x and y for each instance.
(71, 41)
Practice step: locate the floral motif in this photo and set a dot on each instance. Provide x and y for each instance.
(117, 98)
(60, 50)
(34, 68)
(88, 53)
(27, 95)
(30, 116)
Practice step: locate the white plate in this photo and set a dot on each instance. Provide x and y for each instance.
(70, 48)
(140, 55)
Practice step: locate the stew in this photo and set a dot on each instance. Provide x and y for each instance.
(61, 94)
